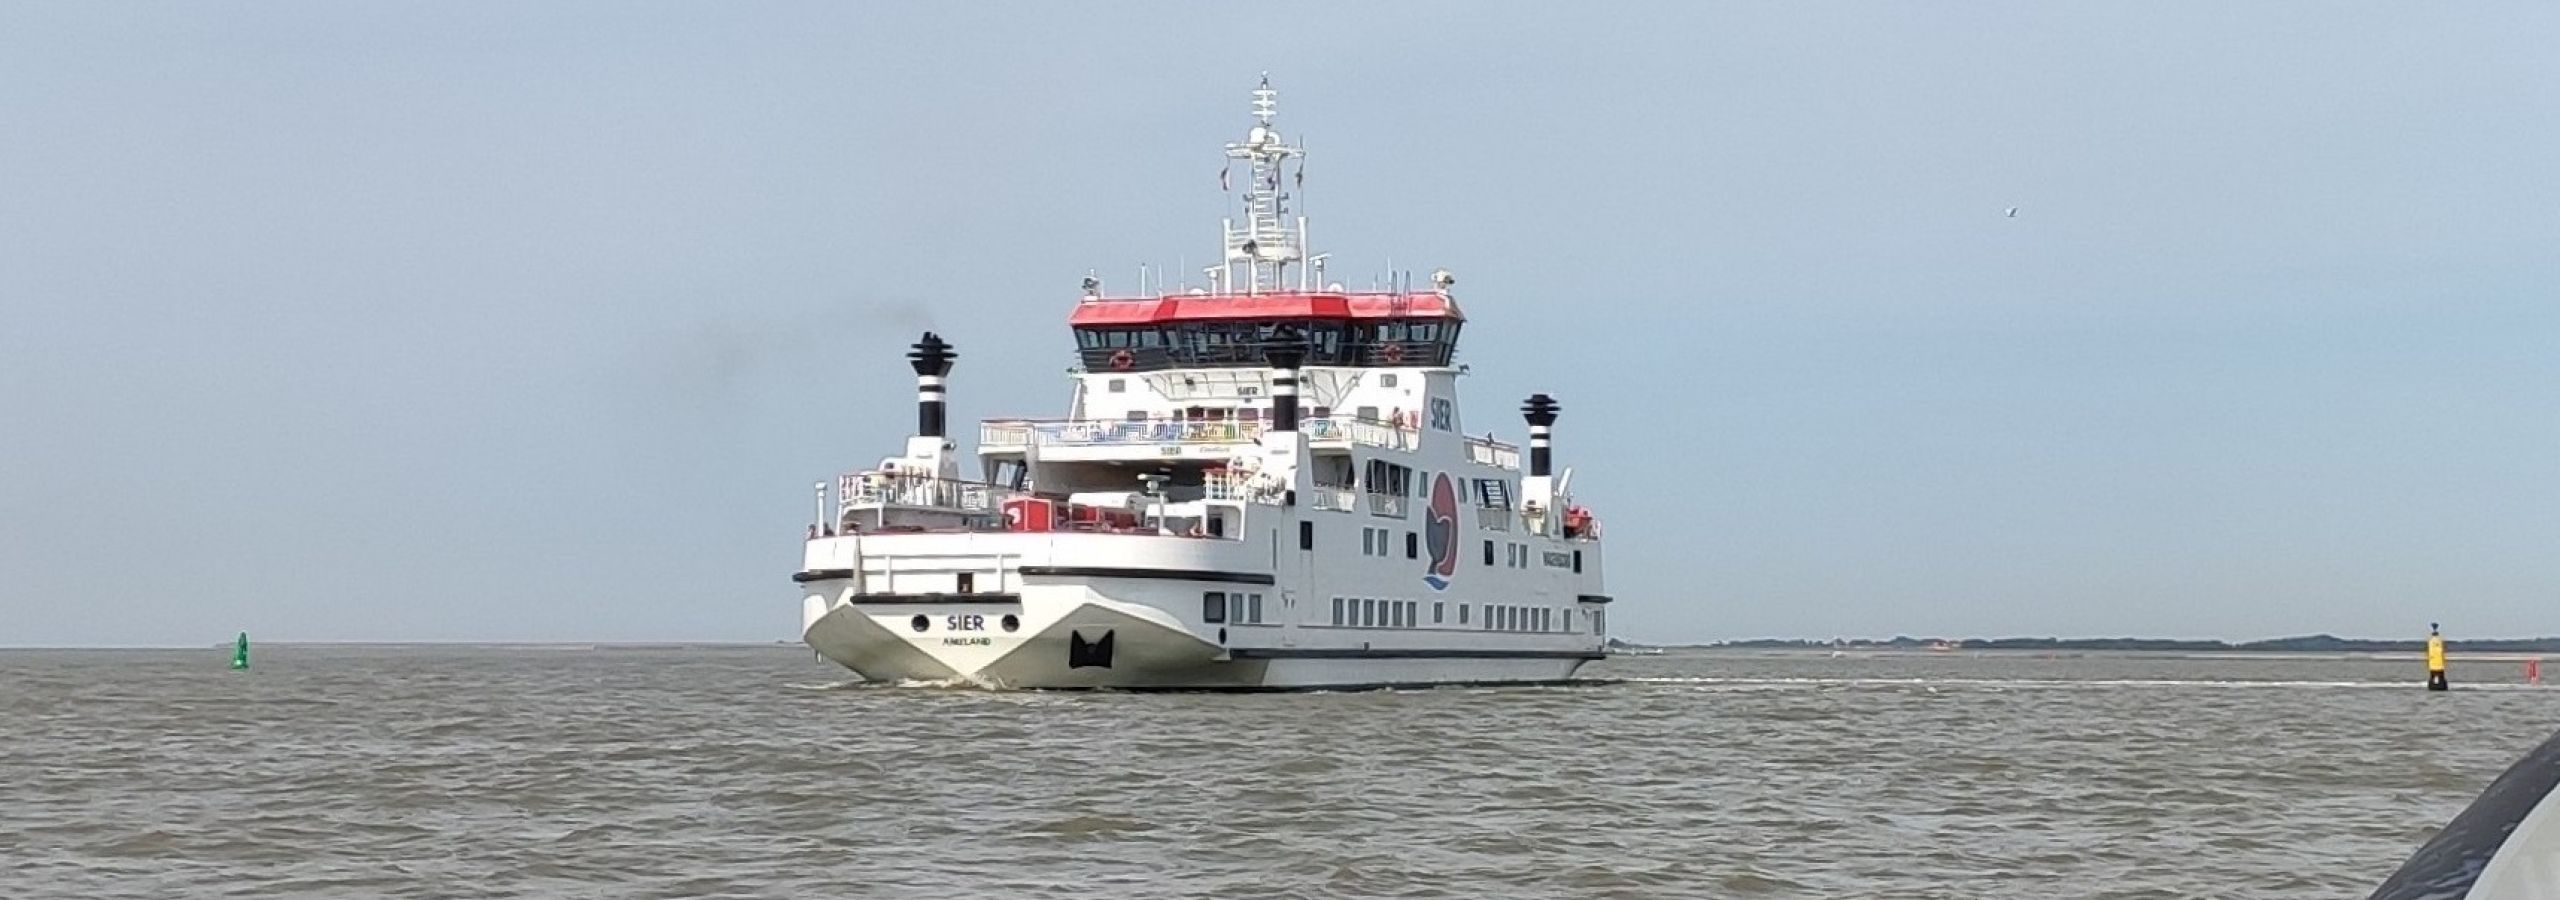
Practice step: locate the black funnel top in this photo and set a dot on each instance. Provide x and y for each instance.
(932, 356)
(1541, 410)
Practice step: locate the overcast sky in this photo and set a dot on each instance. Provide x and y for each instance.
(444, 321)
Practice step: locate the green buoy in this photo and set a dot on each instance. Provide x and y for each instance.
(240, 652)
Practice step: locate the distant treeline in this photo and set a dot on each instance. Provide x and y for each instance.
(2317, 643)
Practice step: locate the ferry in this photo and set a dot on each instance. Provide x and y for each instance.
(1262, 482)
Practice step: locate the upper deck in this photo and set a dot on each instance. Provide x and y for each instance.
(1204, 330)
(1105, 439)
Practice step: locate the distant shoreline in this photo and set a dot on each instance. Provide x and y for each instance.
(2318, 643)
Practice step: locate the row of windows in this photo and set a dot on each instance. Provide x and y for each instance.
(1528, 618)
(1362, 612)
(1217, 607)
(1372, 613)
(1428, 341)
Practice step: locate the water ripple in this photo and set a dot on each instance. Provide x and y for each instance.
(753, 772)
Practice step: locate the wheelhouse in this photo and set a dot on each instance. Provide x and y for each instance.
(1211, 331)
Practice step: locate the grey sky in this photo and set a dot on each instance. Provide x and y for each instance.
(535, 321)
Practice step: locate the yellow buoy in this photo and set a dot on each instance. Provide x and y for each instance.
(2435, 659)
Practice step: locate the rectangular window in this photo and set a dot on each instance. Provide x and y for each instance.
(1413, 614)
(1337, 610)
(1253, 608)
(968, 583)
(1213, 607)
(1119, 385)
(1387, 379)
(1306, 535)
(1412, 545)
(1488, 553)
(1439, 609)
(1462, 614)
(1577, 562)
(1395, 615)
(1368, 614)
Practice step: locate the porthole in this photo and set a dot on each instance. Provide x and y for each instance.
(919, 623)
(1009, 623)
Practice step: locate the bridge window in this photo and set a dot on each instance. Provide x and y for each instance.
(1253, 608)
(1213, 607)
(1337, 610)
(1438, 609)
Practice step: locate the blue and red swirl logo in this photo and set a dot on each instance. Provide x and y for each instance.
(1440, 534)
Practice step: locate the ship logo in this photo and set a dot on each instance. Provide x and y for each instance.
(1095, 653)
(1440, 533)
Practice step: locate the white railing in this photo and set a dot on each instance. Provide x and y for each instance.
(1004, 434)
(1229, 484)
(892, 489)
(1493, 519)
(1106, 432)
(1386, 505)
(1488, 451)
(1338, 499)
(1359, 431)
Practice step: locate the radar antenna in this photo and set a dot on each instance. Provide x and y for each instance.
(1268, 240)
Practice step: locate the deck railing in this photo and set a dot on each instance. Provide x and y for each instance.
(1107, 432)
(1104, 432)
(1336, 498)
(1488, 451)
(1493, 519)
(878, 488)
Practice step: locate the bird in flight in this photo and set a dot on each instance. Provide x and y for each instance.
(2013, 212)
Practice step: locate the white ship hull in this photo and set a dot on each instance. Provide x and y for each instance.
(1073, 611)
(1149, 657)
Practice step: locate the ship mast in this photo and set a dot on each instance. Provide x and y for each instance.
(1259, 252)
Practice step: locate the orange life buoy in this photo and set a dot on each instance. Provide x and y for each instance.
(1392, 353)
(1123, 360)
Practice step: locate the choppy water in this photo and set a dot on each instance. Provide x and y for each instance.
(756, 772)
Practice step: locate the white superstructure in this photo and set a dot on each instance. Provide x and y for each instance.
(1261, 483)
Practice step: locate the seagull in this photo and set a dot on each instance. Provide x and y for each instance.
(2013, 212)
